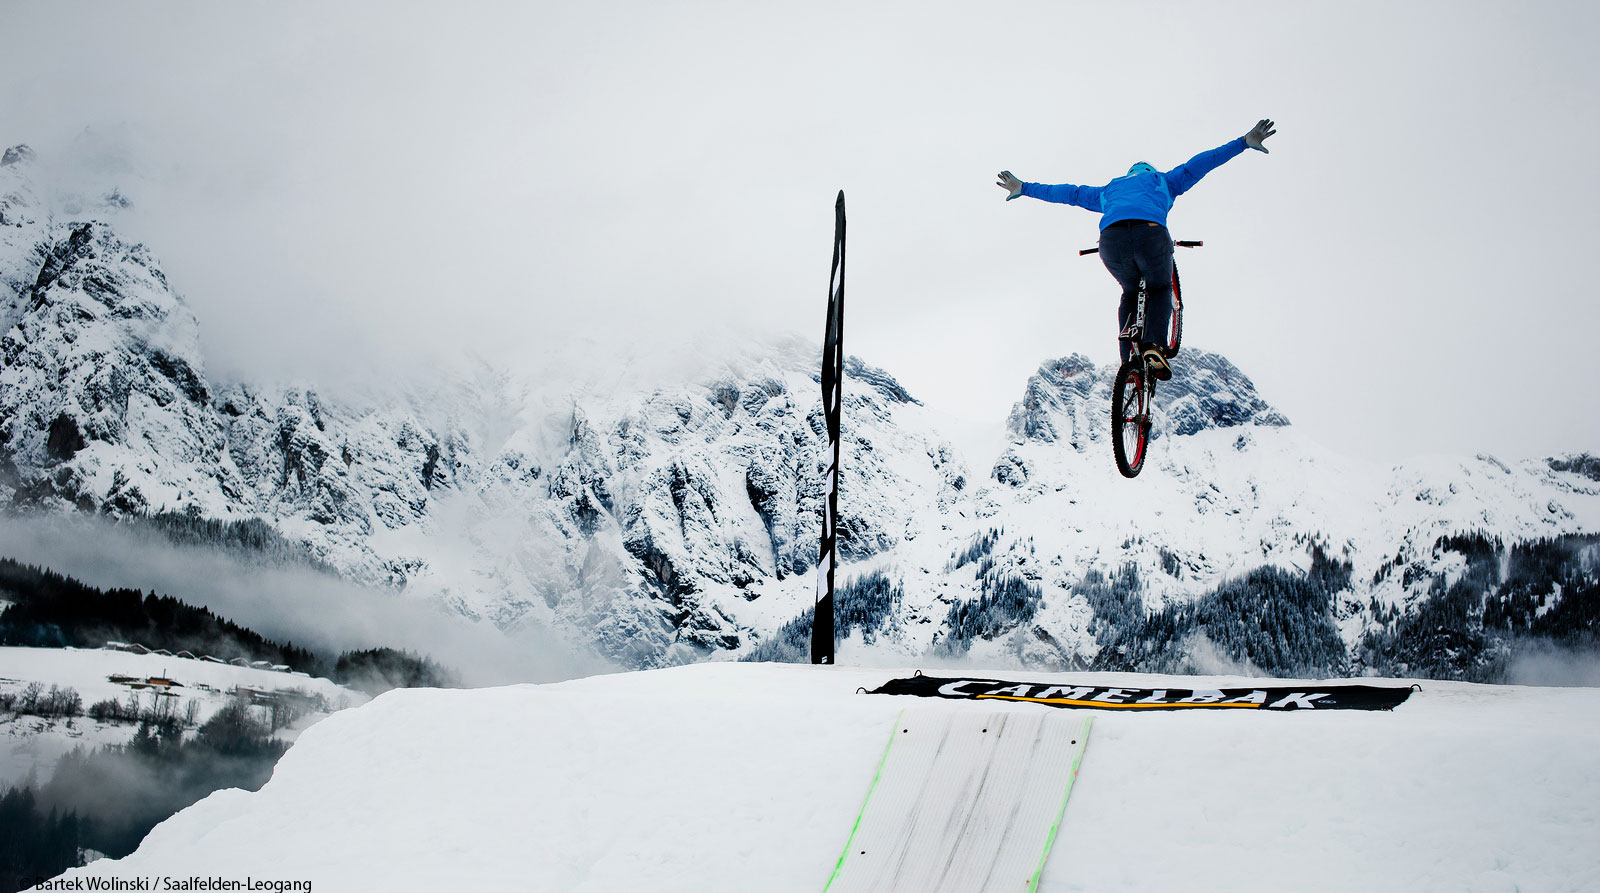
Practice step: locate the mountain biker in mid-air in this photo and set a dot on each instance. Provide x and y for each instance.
(1134, 242)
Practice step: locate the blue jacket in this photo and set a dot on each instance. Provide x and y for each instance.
(1141, 196)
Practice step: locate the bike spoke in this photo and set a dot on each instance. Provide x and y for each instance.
(1130, 420)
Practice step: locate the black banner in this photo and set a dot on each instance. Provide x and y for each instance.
(1106, 697)
(832, 399)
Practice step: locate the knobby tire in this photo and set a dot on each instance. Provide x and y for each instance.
(1128, 432)
(1175, 330)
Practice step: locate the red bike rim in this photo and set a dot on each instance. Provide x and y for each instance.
(1131, 425)
(1172, 322)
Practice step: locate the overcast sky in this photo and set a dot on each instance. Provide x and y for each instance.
(1408, 271)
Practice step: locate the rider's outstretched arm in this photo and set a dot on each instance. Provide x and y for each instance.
(1066, 194)
(1185, 175)
(1181, 178)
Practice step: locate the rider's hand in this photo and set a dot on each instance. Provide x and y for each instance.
(1010, 184)
(1262, 130)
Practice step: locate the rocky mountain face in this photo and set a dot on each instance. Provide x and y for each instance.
(632, 523)
(680, 522)
(1066, 403)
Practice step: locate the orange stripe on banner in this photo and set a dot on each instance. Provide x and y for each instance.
(1110, 704)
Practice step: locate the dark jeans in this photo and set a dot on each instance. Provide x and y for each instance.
(1134, 250)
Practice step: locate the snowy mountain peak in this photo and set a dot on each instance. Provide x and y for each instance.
(102, 363)
(1068, 400)
(23, 237)
(1209, 391)
(1053, 404)
(668, 509)
(16, 155)
(1580, 464)
(857, 371)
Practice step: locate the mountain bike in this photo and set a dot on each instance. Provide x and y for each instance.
(1133, 393)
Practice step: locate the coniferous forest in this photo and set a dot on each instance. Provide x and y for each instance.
(1506, 601)
(862, 604)
(49, 610)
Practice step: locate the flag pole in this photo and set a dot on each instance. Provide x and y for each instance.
(822, 638)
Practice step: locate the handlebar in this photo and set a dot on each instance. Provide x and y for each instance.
(1179, 244)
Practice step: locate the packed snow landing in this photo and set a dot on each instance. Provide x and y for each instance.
(732, 776)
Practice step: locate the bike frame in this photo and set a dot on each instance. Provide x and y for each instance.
(1134, 333)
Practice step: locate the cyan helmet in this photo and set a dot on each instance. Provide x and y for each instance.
(1143, 167)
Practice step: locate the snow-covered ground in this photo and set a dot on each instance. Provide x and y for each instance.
(33, 744)
(748, 777)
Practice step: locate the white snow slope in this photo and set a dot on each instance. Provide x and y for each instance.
(748, 777)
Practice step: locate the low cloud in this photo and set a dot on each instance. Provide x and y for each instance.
(1207, 658)
(312, 609)
(1545, 663)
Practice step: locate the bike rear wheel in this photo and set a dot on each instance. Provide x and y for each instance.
(1130, 417)
(1175, 328)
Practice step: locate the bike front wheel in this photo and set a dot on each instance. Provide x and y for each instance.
(1130, 417)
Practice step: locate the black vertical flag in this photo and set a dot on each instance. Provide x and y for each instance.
(832, 400)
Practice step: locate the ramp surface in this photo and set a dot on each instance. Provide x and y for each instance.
(963, 801)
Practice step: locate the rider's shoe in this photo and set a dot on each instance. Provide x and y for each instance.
(1157, 363)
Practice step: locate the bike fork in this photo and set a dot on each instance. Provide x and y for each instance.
(1146, 390)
